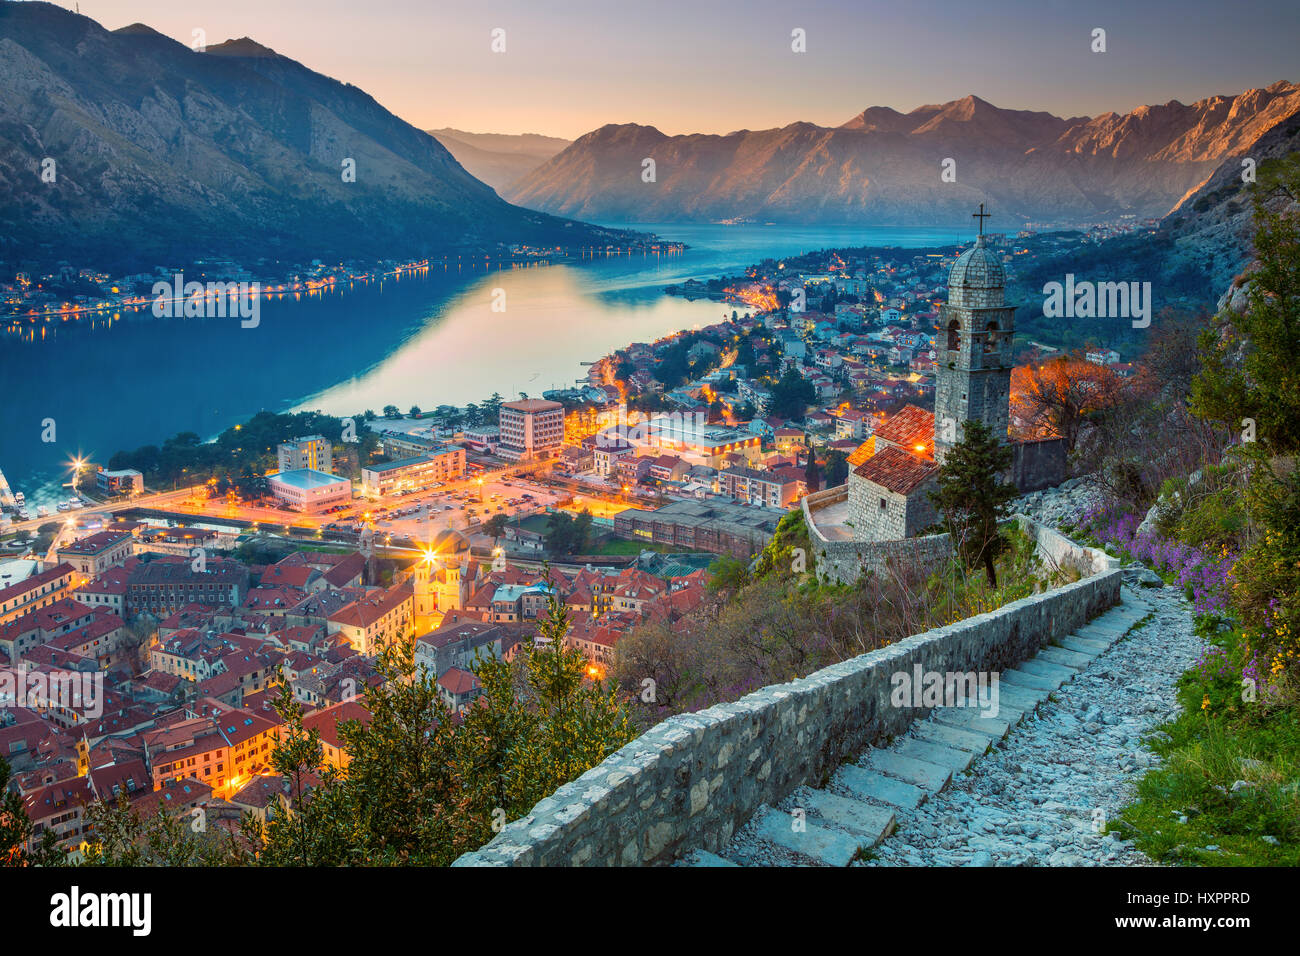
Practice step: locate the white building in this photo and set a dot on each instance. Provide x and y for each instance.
(306, 489)
(414, 474)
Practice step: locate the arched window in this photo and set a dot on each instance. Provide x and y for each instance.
(991, 341)
(954, 335)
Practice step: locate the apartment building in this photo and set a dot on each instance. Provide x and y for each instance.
(532, 428)
(38, 590)
(164, 586)
(97, 553)
(414, 474)
(313, 452)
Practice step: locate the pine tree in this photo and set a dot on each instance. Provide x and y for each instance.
(973, 498)
(811, 476)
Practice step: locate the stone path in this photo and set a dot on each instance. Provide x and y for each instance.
(1032, 786)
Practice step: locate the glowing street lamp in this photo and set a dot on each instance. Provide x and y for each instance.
(77, 464)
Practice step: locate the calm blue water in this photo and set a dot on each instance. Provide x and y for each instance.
(114, 383)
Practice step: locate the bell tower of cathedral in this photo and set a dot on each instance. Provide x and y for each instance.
(973, 347)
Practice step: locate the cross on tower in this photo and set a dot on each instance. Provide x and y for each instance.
(981, 216)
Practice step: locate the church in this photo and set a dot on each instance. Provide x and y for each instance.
(895, 470)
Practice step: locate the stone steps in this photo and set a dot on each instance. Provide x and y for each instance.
(1084, 645)
(930, 777)
(1066, 658)
(825, 846)
(1015, 697)
(972, 719)
(868, 785)
(922, 762)
(1044, 668)
(957, 761)
(1030, 682)
(871, 823)
(955, 737)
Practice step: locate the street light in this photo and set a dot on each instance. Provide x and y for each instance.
(77, 463)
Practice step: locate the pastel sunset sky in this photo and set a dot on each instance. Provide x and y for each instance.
(711, 66)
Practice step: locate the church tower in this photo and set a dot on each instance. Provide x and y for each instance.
(973, 347)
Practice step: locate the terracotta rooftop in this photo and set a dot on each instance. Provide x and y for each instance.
(908, 428)
(896, 470)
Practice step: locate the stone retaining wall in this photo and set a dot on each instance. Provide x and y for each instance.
(1060, 552)
(843, 562)
(693, 780)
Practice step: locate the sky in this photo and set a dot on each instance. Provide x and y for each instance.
(714, 66)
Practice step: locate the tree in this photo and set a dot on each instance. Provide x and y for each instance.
(559, 532)
(16, 831)
(1056, 398)
(791, 395)
(811, 476)
(299, 836)
(545, 720)
(1249, 359)
(122, 837)
(392, 411)
(566, 534)
(973, 498)
(496, 527)
(414, 412)
(424, 785)
(582, 532)
(837, 468)
(728, 573)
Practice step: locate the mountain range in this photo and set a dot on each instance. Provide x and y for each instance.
(155, 153)
(499, 159)
(885, 167)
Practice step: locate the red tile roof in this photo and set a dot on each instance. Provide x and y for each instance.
(896, 470)
(908, 428)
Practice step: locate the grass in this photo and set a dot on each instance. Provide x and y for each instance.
(535, 523)
(1205, 757)
(619, 546)
(1230, 771)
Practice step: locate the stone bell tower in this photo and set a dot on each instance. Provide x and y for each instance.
(973, 347)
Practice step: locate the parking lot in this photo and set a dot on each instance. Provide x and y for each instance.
(425, 515)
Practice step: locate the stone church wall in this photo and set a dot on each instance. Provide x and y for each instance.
(1037, 464)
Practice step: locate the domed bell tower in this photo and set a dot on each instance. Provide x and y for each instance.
(973, 347)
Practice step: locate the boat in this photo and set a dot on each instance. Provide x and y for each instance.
(20, 498)
(42, 511)
(62, 506)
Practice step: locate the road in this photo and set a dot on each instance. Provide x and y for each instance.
(163, 499)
